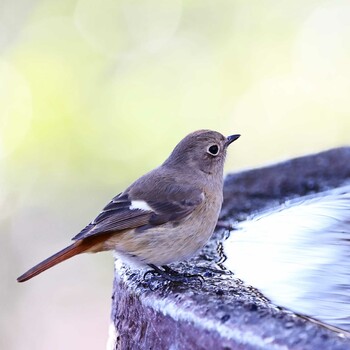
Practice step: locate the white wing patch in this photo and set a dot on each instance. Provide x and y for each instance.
(139, 204)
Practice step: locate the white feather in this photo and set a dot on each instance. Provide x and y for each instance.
(139, 204)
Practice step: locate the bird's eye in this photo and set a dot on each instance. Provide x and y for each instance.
(213, 150)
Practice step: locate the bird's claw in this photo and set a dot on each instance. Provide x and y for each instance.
(170, 275)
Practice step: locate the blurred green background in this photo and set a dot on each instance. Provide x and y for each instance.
(95, 93)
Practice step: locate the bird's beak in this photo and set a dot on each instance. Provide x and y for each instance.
(231, 138)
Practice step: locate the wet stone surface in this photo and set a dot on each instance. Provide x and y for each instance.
(223, 312)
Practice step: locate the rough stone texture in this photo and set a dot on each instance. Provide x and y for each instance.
(223, 313)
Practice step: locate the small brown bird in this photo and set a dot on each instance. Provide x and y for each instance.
(165, 216)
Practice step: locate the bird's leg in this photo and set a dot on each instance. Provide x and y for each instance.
(182, 276)
(171, 275)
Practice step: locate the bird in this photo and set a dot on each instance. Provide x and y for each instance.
(165, 216)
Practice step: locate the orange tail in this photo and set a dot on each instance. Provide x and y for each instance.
(66, 253)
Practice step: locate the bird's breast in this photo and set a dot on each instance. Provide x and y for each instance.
(173, 241)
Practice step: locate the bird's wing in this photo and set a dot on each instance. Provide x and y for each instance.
(126, 211)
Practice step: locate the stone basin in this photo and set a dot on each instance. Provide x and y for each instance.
(224, 312)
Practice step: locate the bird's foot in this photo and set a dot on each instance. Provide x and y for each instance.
(169, 275)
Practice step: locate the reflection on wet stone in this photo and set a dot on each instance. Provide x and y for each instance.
(300, 255)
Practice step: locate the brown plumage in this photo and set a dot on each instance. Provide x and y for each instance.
(77, 247)
(167, 215)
